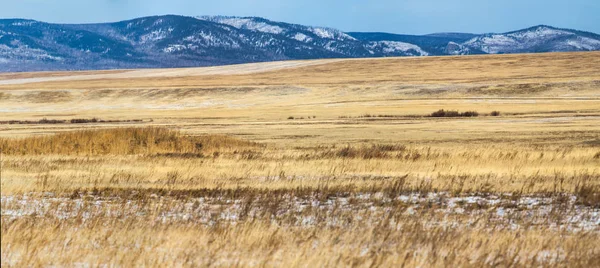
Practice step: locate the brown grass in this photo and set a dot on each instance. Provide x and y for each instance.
(120, 141)
(547, 67)
(221, 177)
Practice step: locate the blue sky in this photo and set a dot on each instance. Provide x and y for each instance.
(400, 16)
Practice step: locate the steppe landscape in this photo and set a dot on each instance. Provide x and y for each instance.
(341, 162)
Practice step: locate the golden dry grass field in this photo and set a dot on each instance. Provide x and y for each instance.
(305, 163)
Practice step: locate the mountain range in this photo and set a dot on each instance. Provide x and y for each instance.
(181, 41)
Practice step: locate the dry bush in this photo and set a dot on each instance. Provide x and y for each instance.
(83, 121)
(120, 141)
(72, 121)
(41, 121)
(469, 114)
(450, 113)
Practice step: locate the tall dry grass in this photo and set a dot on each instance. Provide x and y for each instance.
(120, 141)
(273, 229)
(521, 189)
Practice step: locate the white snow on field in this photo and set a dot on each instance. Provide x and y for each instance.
(502, 209)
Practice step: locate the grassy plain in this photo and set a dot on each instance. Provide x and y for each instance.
(322, 163)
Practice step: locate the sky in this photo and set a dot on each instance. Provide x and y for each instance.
(395, 16)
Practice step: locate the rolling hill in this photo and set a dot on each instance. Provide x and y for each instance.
(180, 41)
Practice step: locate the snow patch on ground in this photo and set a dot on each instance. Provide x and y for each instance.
(501, 209)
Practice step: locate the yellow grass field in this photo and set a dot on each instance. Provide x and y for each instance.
(306, 163)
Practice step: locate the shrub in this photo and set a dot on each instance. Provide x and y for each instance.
(50, 121)
(495, 113)
(469, 114)
(452, 114)
(439, 113)
(290, 118)
(448, 113)
(83, 121)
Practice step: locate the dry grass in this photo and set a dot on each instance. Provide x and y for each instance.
(374, 167)
(98, 241)
(122, 141)
(530, 68)
(221, 177)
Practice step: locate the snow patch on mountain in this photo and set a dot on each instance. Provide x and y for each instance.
(174, 48)
(454, 48)
(329, 33)
(539, 32)
(584, 43)
(136, 23)
(493, 44)
(302, 37)
(541, 38)
(23, 23)
(245, 23)
(155, 35)
(24, 52)
(392, 47)
(158, 22)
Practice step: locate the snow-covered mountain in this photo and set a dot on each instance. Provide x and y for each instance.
(535, 39)
(180, 41)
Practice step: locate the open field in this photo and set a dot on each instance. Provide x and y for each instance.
(306, 163)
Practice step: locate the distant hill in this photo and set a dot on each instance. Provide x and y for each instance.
(180, 41)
